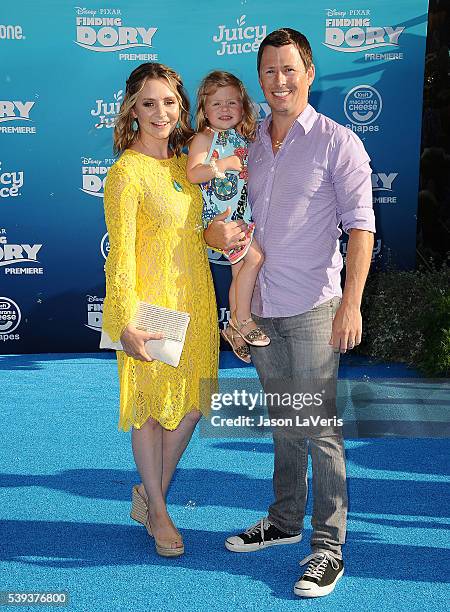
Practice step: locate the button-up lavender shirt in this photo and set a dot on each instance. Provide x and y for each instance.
(319, 179)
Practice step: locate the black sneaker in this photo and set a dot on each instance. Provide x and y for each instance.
(321, 575)
(260, 535)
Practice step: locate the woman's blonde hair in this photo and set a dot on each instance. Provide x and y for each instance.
(124, 136)
(210, 84)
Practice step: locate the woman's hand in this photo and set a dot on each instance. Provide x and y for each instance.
(133, 342)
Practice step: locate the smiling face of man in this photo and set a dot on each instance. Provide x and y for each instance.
(284, 80)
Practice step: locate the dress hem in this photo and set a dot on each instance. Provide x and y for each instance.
(126, 424)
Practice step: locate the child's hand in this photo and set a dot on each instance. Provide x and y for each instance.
(232, 162)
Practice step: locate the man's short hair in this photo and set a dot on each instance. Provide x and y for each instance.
(287, 36)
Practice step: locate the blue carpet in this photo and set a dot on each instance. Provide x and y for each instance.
(65, 487)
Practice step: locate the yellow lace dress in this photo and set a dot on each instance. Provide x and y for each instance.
(158, 255)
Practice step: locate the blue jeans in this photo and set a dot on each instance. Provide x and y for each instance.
(299, 350)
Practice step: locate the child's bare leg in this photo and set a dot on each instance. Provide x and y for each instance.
(235, 269)
(245, 280)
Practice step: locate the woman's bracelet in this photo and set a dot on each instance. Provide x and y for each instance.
(215, 169)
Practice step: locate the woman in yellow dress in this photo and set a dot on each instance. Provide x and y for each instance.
(157, 255)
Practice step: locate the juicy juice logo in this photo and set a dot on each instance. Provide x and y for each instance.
(105, 112)
(243, 39)
(10, 183)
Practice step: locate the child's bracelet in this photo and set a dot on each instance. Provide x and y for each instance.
(215, 169)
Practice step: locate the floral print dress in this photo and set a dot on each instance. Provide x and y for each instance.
(219, 193)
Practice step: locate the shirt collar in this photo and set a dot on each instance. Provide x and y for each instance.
(306, 119)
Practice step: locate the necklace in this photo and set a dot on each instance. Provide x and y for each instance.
(276, 144)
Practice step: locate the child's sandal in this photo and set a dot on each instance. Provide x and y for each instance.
(255, 337)
(241, 352)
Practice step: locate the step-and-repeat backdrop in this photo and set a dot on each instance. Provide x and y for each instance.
(62, 75)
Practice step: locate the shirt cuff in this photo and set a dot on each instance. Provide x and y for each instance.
(362, 219)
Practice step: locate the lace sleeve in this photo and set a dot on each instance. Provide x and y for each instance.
(122, 196)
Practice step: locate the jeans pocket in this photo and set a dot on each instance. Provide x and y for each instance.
(334, 304)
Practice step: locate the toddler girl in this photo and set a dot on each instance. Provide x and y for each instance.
(218, 162)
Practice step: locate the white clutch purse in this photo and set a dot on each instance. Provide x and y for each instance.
(154, 319)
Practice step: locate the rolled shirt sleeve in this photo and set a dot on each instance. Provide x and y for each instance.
(351, 177)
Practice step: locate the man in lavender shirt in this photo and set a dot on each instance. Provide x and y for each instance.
(308, 175)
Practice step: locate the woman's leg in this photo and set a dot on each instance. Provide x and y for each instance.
(147, 451)
(147, 444)
(174, 445)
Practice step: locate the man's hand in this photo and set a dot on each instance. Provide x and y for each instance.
(221, 234)
(133, 342)
(347, 328)
(347, 324)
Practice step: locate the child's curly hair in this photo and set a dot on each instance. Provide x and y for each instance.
(210, 84)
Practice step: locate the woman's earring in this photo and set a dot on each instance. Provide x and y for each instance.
(178, 125)
(134, 125)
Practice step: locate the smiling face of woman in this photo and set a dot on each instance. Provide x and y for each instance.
(156, 110)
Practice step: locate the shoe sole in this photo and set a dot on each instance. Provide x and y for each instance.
(138, 507)
(169, 552)
(243, 548)
(139, 514)
(139, 510)
(322, 592)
